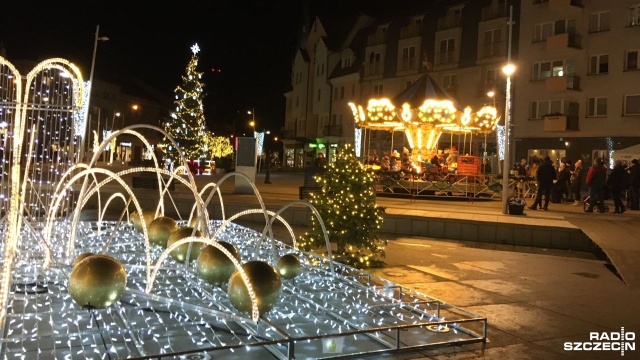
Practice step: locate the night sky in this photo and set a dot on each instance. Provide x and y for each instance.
(251, 43)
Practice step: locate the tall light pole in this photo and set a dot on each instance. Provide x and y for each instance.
(93, 64)
(508, 70)
(252, 112)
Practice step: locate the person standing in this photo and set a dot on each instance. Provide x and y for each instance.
(596, 179)
(634, 174)
(617, 182)
(545, 176)
(577, 182)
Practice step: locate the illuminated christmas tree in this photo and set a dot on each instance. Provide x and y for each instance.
(187, 124)
(347, 205)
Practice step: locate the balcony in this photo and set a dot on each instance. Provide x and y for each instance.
(555, 123)
(373, 69)
(449, 22)
(563, 41)
(333, 130)
(410, 31)
(491, 50)
(562, 83)
(288, 134)
(408, 64)
(491, 13)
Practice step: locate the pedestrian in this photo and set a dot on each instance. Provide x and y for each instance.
(545, 176)
(617, 182)
(596, 179)
(634, 180)
(577, 182)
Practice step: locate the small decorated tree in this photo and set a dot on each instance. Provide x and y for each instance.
(347, 205)
(187, 125)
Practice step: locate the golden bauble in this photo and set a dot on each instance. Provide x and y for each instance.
(80, 258)
(198, 224)
(147, 214)
(214, 266)
(97, 281)
(160, 229)
(180, 253)
(289, 266)
(266, 284)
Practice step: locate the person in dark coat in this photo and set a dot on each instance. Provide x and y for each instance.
(617, 182)
(545, 176)
(634, 180)
(596, 179)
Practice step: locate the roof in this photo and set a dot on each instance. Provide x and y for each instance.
(424, 88)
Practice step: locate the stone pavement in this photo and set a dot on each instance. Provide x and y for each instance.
(614, 237)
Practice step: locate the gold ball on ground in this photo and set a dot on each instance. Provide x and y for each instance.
(148, 215)
(289, 266)
(80, 258)
(214, 266)
(180, 253)
(97, 281)
(160, 229)
(266, 284)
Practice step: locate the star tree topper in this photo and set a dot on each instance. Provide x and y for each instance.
(195, 48)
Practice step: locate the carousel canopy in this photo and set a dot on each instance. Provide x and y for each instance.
(424, 88)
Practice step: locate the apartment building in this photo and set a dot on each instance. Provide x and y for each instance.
(575, 93)
(577, 87)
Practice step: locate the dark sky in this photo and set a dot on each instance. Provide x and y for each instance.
(251, 42)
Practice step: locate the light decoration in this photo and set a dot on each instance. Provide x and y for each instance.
(486, 119)
(381, 115)
(187, 124)
(260, 144)
(500, 136)
(358, 141)
(437, 111)
(175, 310)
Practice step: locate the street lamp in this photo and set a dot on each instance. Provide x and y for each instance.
(93, 63)
(492, 95)
(508, 70)
(252, 112)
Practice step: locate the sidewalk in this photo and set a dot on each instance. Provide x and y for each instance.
(615, 235)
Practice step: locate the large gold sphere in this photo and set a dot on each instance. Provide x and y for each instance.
(180, 253)
(80, 258)
(266, 284)
(289, 266)
(148, 215)
(97, 281)
(160, 229)
(214, 266)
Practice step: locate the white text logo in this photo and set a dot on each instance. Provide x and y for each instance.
(606, 341)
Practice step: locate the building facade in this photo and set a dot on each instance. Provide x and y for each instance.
(575, 92)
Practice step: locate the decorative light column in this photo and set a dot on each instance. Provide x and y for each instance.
(508, 70)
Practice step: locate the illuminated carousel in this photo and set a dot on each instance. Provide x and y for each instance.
(424, 113)
(146, 285)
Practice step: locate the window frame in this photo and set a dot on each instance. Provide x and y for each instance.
(626, 60)
(598, 18)
(594, 105)
(595, 64)
(553, 106)
(626, 105)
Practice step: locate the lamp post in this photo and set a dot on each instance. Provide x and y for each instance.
(508, 70)
(252, 112)
(93, 63)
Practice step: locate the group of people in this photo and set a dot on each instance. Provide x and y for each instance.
(564, 181)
